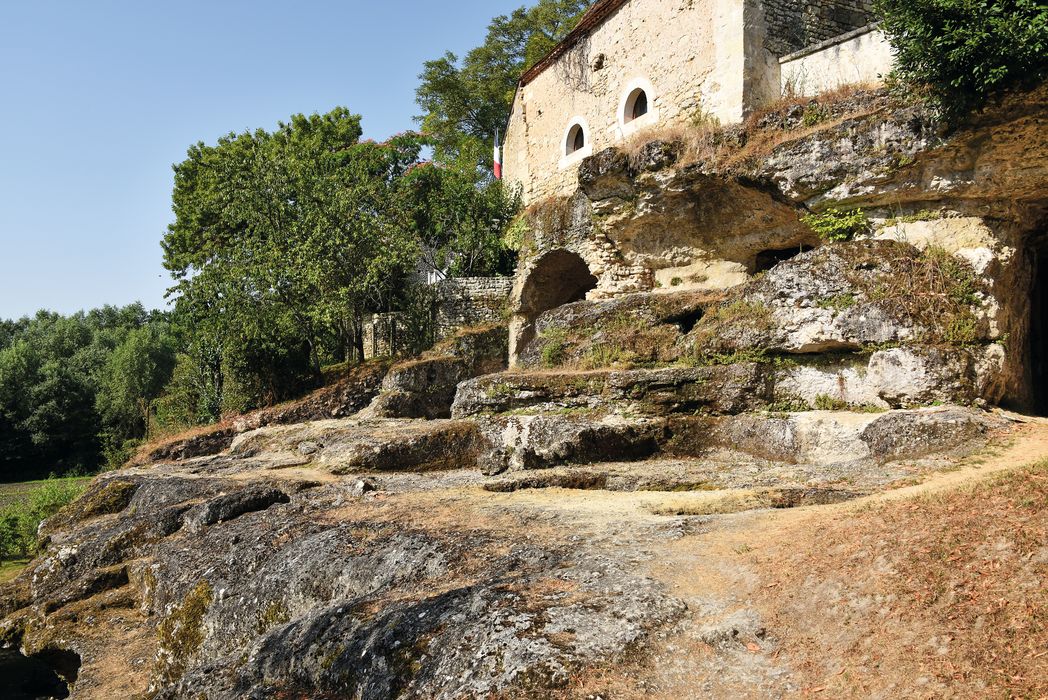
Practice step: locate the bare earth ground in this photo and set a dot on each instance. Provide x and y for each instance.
(937, 589)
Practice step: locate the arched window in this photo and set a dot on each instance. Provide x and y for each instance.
(576, 139)
(636, 105)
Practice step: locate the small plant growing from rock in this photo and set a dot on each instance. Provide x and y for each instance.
(825, 402)
(553, 347)
(815, 114)
(834, 225)
(922, 215)
(839, 303)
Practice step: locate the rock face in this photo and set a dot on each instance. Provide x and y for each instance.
(686, 347)
(706, 214)
(425, 387)
(726, 389)
(344, 397)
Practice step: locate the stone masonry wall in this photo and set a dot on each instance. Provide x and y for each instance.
(698, 61)
(687, 54)
(792, 25)
(471, 301)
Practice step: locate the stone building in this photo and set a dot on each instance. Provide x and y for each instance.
(633, 65)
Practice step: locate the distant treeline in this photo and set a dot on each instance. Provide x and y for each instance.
(74, 389)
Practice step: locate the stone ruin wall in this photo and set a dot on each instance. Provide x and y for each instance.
(460, 303)
(471, 301)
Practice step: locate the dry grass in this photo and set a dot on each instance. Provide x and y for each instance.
(739, 150)
(712, 503)
(941, 595)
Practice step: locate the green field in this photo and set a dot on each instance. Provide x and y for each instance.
(22, 506)
(10, 569)
(10, 493)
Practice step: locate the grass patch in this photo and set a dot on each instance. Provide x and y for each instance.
(20, 519)
(922, 215)
(554, 348)
(936, 291)
(839, 302)
(10, 569)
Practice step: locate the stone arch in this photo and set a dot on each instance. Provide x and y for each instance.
(553, 279)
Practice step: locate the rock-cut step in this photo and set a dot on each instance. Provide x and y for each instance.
(347, 446)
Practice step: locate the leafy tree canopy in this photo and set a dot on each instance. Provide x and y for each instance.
(53, 369)
(967, 50)
(464, 102)
(284, 238)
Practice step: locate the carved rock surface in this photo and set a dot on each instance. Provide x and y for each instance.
(723, 389)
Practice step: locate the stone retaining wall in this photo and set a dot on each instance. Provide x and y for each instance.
(458, 303)
(792, 25)
(861, 56)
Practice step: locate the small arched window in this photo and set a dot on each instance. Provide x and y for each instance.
(636, 105)
(576, 139)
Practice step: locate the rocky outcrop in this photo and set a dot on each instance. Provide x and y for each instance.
(680, 334)
(727, 389)
(348, 446)
(425, 387)
(344, 397)
(708, 212)
(631, 330)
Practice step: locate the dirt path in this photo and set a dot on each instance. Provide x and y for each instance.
(759, 625)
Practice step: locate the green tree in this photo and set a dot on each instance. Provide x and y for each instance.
(135, 374)
(52, 368)
(464, 102)
(460, 220)
(282, 242)
(965, 51)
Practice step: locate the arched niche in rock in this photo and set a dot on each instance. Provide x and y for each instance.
(553, 279)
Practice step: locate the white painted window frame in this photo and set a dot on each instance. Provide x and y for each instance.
(567, 160)
(628, 127)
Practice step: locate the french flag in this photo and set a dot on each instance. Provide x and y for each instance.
(498, 158)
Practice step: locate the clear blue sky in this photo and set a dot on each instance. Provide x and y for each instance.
(98, 99)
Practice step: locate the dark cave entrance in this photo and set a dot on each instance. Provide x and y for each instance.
(1038, 349)
(559, 277)
(767, 259)
(47, 674)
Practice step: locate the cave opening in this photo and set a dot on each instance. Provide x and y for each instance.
(47, 674)
(559, 277)
(767, 259)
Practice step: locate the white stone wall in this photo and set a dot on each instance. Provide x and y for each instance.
(690, 54)
(862, 57)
